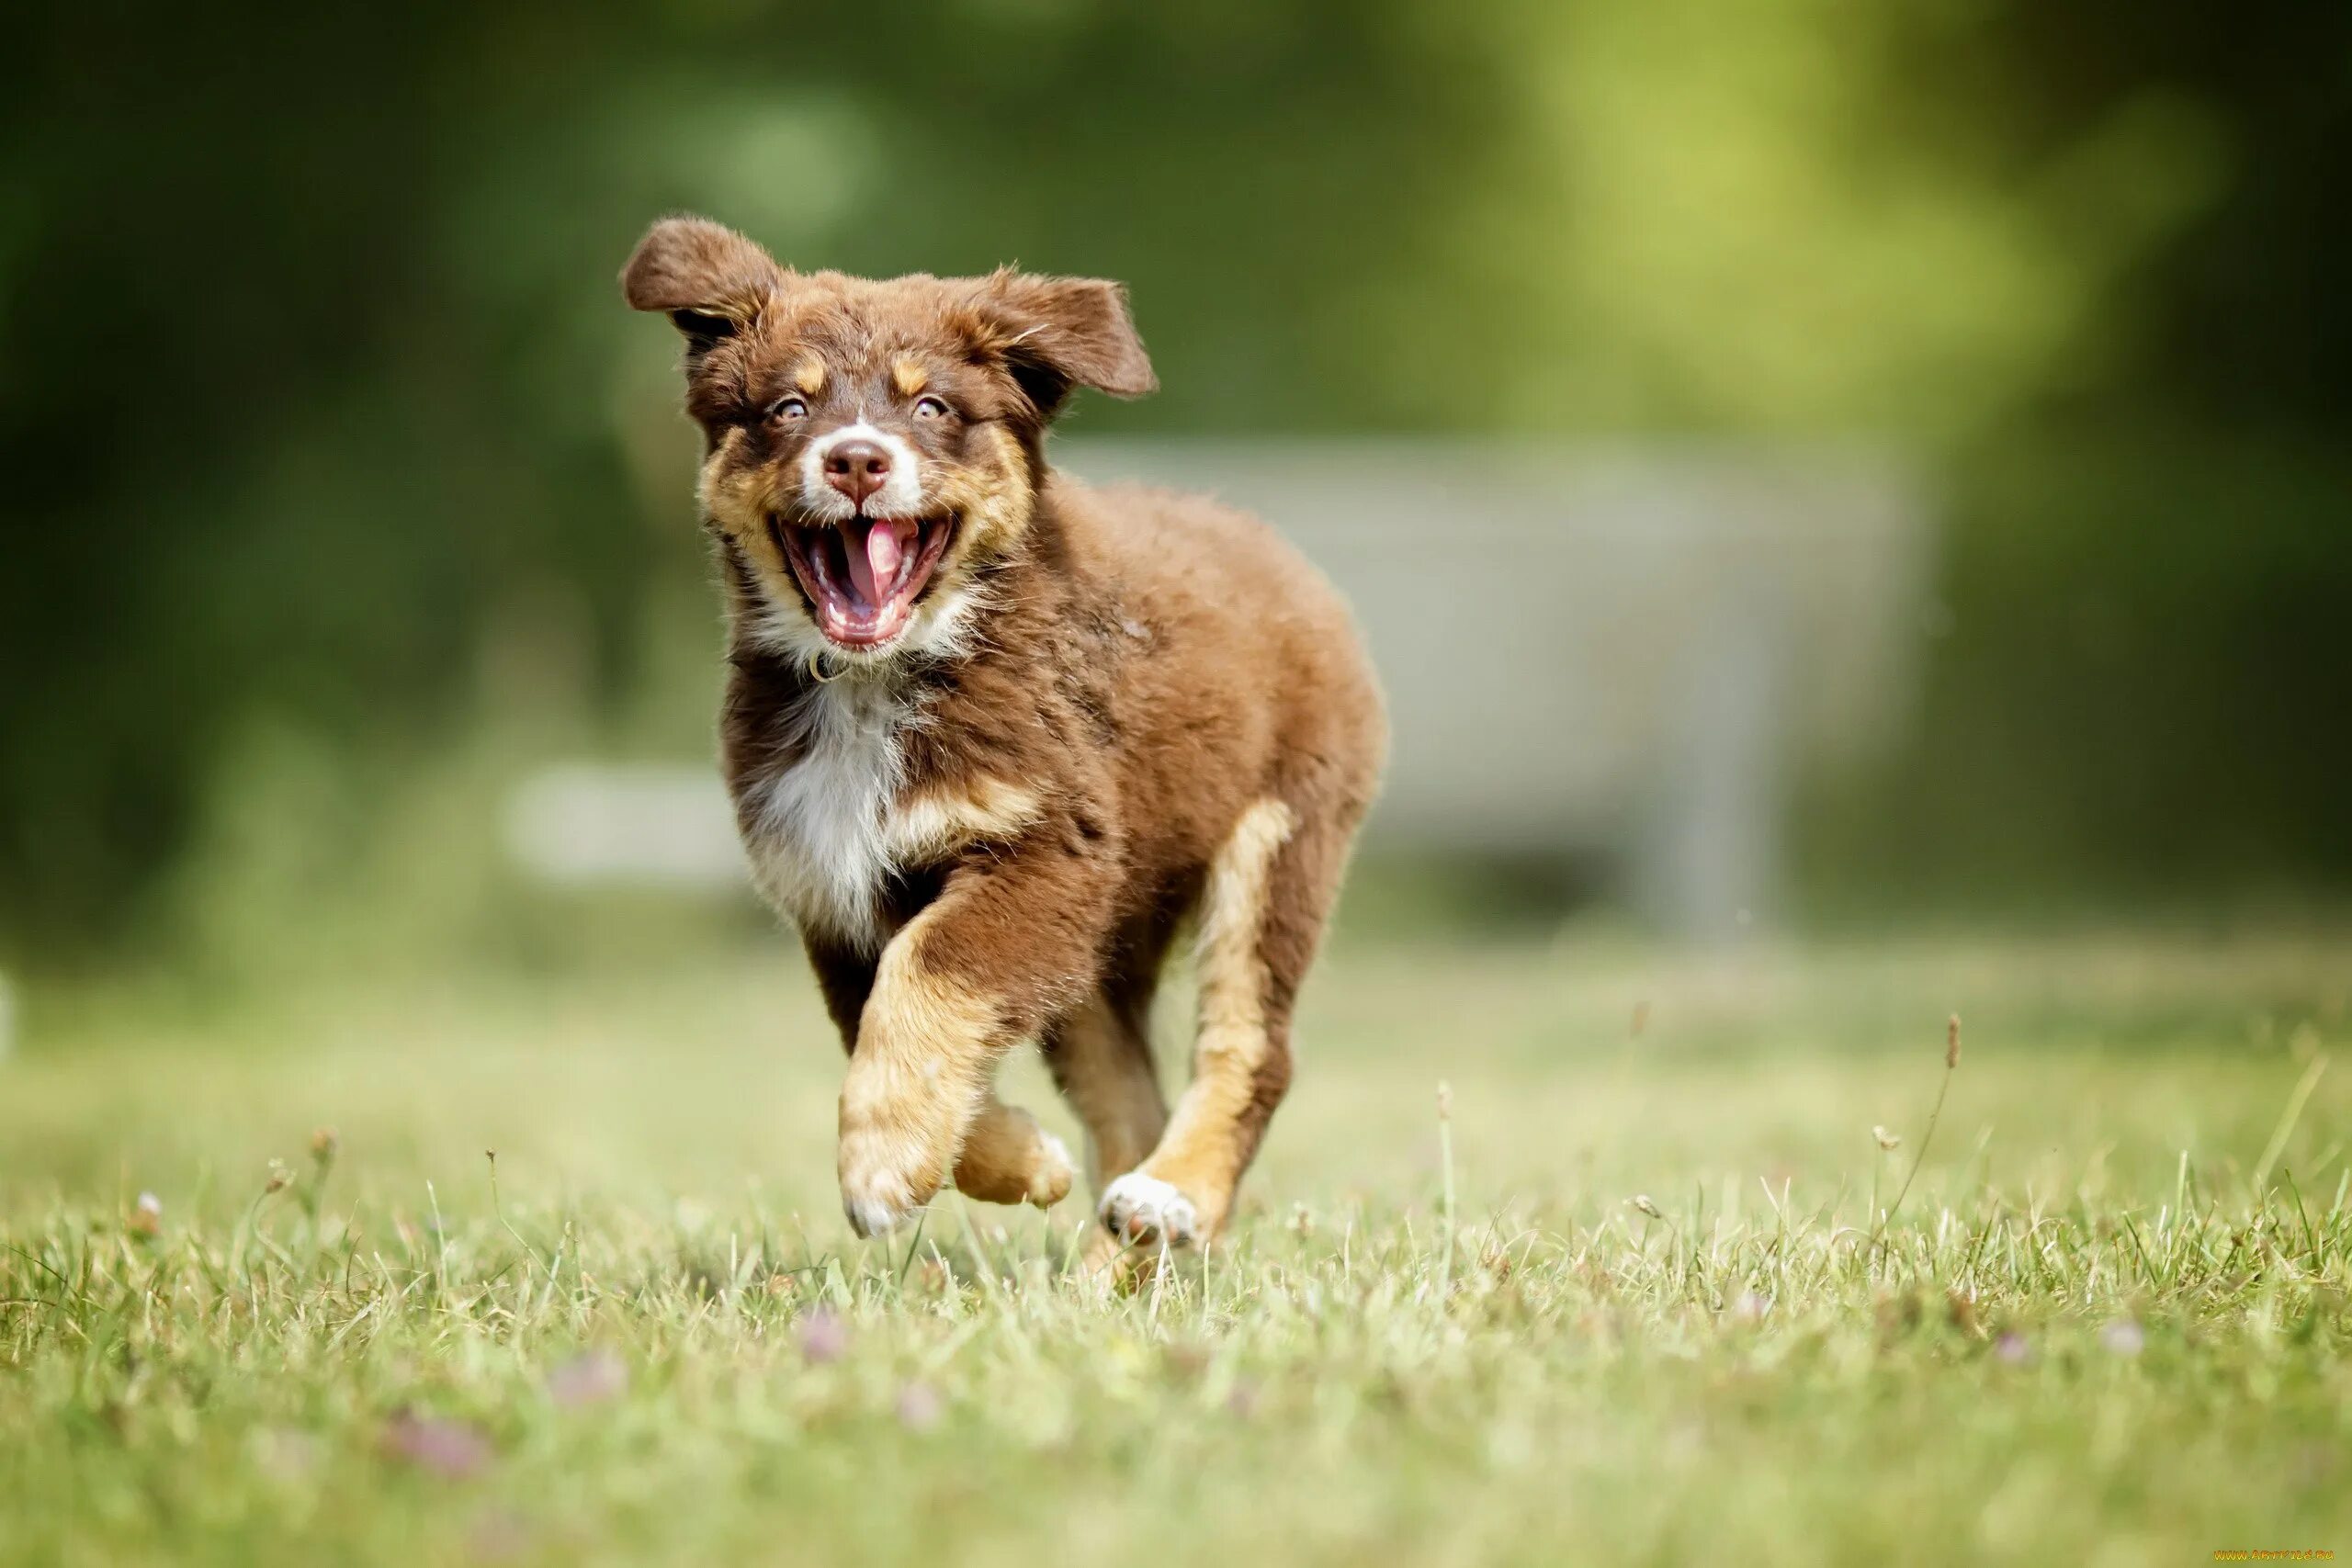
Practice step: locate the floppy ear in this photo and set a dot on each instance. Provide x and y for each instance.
(1057, 333)
(707, 277)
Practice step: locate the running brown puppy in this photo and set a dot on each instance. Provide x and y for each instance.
(992, 736)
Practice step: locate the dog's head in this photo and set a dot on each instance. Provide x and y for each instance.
(871, 448)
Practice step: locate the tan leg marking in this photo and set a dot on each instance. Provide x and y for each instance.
(919, 1076)
(1105, 1074)
(1182, 1192)
(918, 1104)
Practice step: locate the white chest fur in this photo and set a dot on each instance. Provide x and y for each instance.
(818, 827)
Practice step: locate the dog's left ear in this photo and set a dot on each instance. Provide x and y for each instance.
(1057, 333)
(706, 276)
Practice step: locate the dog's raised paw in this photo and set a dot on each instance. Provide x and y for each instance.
(1147, 1211)
(1049, 1182)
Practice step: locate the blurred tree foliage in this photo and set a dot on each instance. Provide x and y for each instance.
(319, 392)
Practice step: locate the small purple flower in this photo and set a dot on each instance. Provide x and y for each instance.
(1241, 1403)
(823, 1337)
(590, 1378)
(2011, 1348)
(451, 1450)
(920, 1407)
(2123, 1337)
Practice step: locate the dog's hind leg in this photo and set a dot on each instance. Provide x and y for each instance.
(1262, 913)
(1101, 1058)
(1100, 1053)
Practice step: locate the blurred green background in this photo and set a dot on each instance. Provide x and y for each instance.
(333, 506)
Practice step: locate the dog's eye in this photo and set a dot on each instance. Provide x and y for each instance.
(930, 408)
(786, 410)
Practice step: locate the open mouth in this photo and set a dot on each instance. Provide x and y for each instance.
(863, 577)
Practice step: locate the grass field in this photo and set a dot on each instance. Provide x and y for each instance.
(1675, 1316)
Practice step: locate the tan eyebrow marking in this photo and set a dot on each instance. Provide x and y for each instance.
(810, 374)
(908, 378)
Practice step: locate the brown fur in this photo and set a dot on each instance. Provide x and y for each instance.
(1111, 708)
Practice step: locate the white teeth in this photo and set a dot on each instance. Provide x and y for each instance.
(863, 611)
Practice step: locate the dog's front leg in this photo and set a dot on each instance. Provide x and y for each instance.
(984, 964)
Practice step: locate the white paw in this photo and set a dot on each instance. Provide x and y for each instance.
(889, 1171)
(1148, 1211)
(872, 1216)
(877, 1203)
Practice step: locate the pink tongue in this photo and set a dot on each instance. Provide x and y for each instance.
(883, 552)
(874, 563)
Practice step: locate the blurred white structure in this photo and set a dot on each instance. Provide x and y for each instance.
(1623, 653)
(644, 825)
(1616, 651)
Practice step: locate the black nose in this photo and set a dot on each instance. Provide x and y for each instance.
(857, 469)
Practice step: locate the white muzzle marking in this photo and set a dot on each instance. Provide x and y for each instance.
(901, 493)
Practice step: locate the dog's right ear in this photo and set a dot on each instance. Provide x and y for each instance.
(707, 277)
